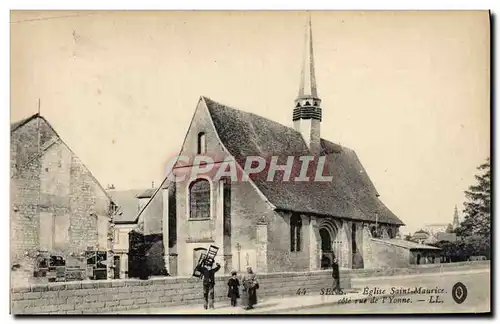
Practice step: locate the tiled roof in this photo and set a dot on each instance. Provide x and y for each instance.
(407, 244)
(128, 204)
(19, 123)
(148, 193)
(350, 195)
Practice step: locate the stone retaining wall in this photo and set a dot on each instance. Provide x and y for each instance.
(115, 295)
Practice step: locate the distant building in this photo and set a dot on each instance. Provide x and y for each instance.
(456, 222)
(420, 236)
(438, 232)
(57, 206)
(409, 253)
(125, 220)
(433, 229)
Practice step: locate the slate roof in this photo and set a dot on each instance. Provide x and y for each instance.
(19, 123)
(128, 205)
(407, 244)
(148, 193)
(350, 195)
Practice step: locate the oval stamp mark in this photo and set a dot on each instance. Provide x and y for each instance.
(459, 292)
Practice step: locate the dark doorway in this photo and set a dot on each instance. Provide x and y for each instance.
(137, 262)
(326, 249)
(418, 258)
(326, 240)
(117, 267)
(325, 262)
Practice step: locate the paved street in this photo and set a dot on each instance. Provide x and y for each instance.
(476, 282)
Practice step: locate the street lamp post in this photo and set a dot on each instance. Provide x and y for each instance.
(238, 247)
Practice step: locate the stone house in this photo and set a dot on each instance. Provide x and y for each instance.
(129, 203)
(125, 220)
(275, 225)
(57, 206)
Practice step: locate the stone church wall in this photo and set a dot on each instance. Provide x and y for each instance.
(153, 215)
(248, 209)
(384, 255)
(280, 258)
(194, 234)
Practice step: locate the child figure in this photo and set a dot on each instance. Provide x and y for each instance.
(233, 291)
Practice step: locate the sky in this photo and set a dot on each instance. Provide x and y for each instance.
(408, 91)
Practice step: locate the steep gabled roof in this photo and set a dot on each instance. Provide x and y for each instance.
(17, 125)
(20, 123)
(350, 195)
(128, 205)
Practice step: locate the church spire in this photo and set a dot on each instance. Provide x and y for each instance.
(308, 77)
(456, 222)
(307, 113)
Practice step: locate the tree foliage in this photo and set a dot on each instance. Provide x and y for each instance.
(462, 250)
(477, 207)
(449, 229)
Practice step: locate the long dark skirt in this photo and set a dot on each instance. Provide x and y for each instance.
(249, 297)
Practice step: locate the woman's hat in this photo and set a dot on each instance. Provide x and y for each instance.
(234, 272)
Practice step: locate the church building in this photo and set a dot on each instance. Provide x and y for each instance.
(272, 226)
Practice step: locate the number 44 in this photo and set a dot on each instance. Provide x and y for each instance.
(301, 291)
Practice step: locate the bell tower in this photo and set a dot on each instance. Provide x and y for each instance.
(307, 113)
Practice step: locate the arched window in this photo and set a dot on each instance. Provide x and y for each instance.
(199, 199)
(295, 229)
(202, 148)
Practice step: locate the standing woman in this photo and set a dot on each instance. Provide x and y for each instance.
(250, 286)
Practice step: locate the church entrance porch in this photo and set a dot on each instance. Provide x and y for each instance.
(332, 239)
(331, 246)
